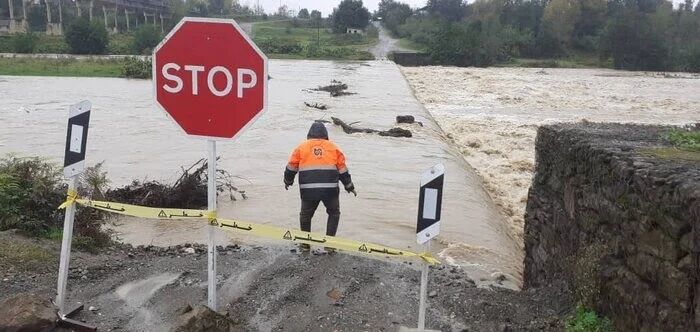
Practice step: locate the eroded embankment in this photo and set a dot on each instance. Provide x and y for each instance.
(265, 289)
(491, 114)
(615, 212)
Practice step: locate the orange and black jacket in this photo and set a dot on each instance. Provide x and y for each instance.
(320, 165)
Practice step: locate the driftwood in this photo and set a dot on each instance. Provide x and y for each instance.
(407, 119)
(336, 89)
(349, 129)
(316, 105)
(189, 191)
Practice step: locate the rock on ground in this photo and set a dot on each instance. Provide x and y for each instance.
(203, 319)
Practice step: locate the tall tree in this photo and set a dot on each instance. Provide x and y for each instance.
(349, 14)
(450, 10)
(316, 15)
(303, 13)
(393, 14)
(559, 19)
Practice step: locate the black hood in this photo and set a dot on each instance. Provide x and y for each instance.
(317, 130)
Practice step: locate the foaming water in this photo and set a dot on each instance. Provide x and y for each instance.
(137, 141)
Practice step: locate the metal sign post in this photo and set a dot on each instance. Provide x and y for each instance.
(219, 103)
(211, 252)
(73, 166)
(428, 226)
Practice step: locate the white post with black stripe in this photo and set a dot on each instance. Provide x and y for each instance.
(428, 227)
(73, 166)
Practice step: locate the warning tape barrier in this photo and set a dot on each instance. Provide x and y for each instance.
(243, 227)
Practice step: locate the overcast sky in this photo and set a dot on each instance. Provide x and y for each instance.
(326, 6)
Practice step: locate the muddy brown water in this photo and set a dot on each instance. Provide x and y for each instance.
(138, 141)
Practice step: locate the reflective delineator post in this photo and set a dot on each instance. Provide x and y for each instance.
(423, 292)
(73, 166)
(428, 226)
(65, 251)
(211, 252)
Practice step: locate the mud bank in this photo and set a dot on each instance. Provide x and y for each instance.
(492, 114)
(274, 288)
(617, 216)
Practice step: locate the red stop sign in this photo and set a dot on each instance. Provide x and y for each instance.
(210, 77)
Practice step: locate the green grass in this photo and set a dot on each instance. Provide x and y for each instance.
(685, 146)
(118, 44)
(25, 256)
(672, 154)
(286, 40)
(411, 45)
(685, 140)
(573, 61)
(584, 320)
(60, 67)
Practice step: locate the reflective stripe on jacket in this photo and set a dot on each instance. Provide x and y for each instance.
(320, 164)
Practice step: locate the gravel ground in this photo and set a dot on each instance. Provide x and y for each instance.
(270, 288)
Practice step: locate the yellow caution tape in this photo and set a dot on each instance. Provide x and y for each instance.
(270, 232)
(70, 199)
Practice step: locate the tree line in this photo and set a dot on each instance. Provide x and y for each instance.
(626, 34)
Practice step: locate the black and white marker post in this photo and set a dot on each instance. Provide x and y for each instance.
(73, 166)
(428, 227)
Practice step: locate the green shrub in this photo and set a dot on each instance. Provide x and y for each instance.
(24, 43)
(587, 321)
(51, 44)
(85, 37)
(121, 45)
(6, 44)
(145, 39)
(278, 46)
(134, 67)
(693, 61)
(31, 190)
(349, 53)
(686, 140)
(348, 39)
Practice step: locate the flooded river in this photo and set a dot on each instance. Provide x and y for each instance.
(137, 141)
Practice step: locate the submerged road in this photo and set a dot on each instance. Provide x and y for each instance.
(385, 45)
(137, 141)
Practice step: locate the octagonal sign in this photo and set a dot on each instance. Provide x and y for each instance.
(210, 77)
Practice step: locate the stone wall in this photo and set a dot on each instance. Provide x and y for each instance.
(615, 212)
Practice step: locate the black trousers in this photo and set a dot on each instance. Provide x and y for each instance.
(308, 208)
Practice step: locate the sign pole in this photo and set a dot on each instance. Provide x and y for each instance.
(428, 226)
(423, 291)
(73, 166)
(65, 250)
(211, 253)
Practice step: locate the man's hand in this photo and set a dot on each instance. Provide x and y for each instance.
(350, 188)
(287, 185)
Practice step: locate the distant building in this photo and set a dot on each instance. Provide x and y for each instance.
(355, 31)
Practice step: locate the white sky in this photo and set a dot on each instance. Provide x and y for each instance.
(326, 6)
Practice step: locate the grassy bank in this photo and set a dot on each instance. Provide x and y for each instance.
(70, 67)
(411, 45)
(573, 61)
(299, 39)
(61, 67)
(120, 44)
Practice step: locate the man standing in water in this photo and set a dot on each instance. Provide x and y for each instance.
(320, 164)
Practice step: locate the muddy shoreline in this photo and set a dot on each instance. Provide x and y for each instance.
(272, 288)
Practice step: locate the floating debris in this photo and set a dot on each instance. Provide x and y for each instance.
(349, 129)
(317, 105)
